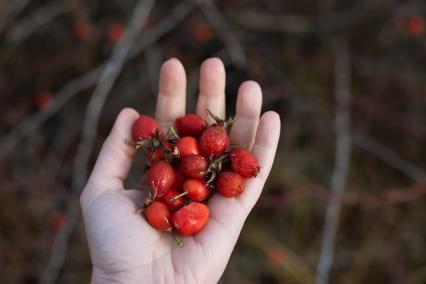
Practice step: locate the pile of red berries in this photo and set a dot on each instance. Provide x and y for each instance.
(186, 165)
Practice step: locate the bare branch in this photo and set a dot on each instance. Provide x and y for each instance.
(10, 10)
(342, 121)
(219, 23)
(90, 126)
(87, 80)
(388, 156)
(37, 19)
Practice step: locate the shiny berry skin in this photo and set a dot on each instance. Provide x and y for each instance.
(158, 215)
(214, 141)
(191, 218)
(197, 189)
(173, 204)
(191, 125)
(230, 184)
(188, 146)
(179, 179)
(161, 177)
(145, 127)
(194, 166)
(244, 163)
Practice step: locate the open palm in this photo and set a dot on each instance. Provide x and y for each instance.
(124, 248)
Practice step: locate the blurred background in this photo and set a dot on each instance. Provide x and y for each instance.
(345, 202)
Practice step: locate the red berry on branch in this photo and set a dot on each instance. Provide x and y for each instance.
(195, 166)
(188, 146)
(145, 128)
(82, 30)
(161, 177)
(203, 33)
(191, 218)
(230, 184)
(190, 125)
(244, 163)
(43, 99)
(115, 32)
(158, 215)
(415, 26)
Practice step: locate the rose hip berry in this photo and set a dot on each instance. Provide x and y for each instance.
(214, 141)
(188, 146)
(244, 163)
(230, 184)
(196, 189)
(191, 218)
(161, 177)
(195, 166)
(158, 215)
(183, 169)
(191, 125)
(145, 128)
(172, 202)
(159, 153)
(179, 179)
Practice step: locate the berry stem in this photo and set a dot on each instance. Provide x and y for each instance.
(179, 196)
(178, 240)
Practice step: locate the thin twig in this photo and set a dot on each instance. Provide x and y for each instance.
(342, 128)
(10, 10)
(387, 155)
(90, 126)
(87, 80)
(385, 197)
(37, 19)
(218, 22)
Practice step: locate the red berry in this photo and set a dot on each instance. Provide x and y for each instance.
(203, 33)
(194, 166)
(230, 184)
(197, 189)
(214, 141)
(244, 163)
(43, 99)
(145, 127)
(415, 26)
(191, 218)
(188, 146)
(115, 32)
(173, 204)
(56, 220)
(158, 215)
(191, 125)
(161, 177)
(82, 30)
(179, 179)
(158, 153)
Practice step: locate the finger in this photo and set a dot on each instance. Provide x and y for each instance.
(265, 147)
(212, 89)
(227, 215)
(172, 93)
(249, 104)
(115, 159)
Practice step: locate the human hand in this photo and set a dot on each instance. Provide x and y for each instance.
(124, 248)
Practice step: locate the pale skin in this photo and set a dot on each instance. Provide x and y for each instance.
(124, 248)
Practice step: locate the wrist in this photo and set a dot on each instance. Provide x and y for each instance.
(100, 276)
